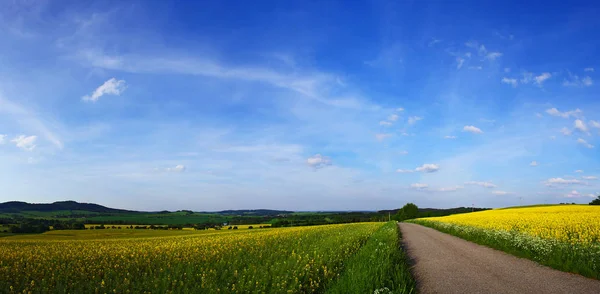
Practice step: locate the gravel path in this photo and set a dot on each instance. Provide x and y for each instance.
(446, 264)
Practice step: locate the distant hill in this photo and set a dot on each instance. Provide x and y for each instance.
(18, 206)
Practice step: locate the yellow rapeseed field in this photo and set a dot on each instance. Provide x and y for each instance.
(285, 260)
(576, 224)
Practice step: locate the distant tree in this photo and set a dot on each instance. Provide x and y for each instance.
(595, 201)
(408, 211)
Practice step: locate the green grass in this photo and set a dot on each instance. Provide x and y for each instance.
(380, 265)
(574, 258)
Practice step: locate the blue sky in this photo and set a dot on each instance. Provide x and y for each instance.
(300, 105)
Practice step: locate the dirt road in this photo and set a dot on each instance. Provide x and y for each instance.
(446, 264)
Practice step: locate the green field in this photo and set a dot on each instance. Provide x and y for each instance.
(307, 259)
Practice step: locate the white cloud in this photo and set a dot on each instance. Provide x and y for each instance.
(512, 82)
(382, 136)
(539, 115)
(476, 67)
(589, 177)
(449, 189)
(575, 81)
(418, 186)
(481, 184)
(473, 129)
(449, 137)
(561, 181)
(573, 194)
(507, 69)
(318, 161)
(459, 62)
(541, 78)
(533, 163)
(585, 143)
(493, 55)
(403, 152)
(399, 109)
(590, 69)
(579, 171)
(2, 139)
(393, 117)
(580, 125)
(177, 169)
(110, 87)
(500, 193)
(25, 142)
(385, 123)
(571, 113)
(428, 168)
(413, 119)
(594, 124)
(565, 131)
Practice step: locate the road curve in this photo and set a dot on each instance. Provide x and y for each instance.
(446, 264)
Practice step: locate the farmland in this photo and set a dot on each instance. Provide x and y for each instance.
(282, 260)
(565, 237)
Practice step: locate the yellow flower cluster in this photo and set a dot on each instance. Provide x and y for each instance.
(284, 260)
(576, 224)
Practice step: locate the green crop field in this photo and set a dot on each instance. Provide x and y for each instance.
(277, 260)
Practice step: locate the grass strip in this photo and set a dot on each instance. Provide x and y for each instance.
(380, 266)
(574, 258)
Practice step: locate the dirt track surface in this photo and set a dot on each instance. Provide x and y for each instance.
(446, 264)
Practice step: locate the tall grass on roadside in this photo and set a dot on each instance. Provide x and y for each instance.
(583, 259)
(380, 266)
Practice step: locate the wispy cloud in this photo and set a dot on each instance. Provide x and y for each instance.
(589, 177)
(589, 69)
(560, 181)
(510, 81)
(501, 192)
(585, 143)
(393, 117)
(481, 184)
(385, 123)
(571, 113)
(110, 87)
(493, 55)
(419, 186)
(472, 129)
(533, 163)
(2, 139)
(449, 137)
(318, 161)
(541, 78)
(576, 81)
(25, 142)
(413, 119)
(30, 120)
(177, 169)
(382, 136)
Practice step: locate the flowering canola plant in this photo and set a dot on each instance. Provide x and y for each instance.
(284, 260)
(575, 224)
